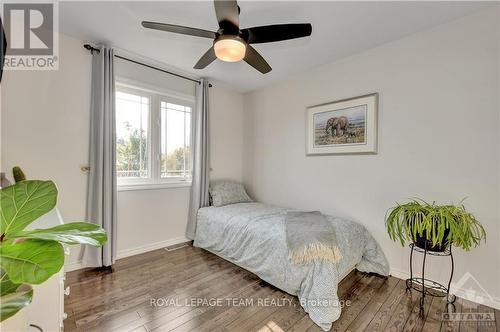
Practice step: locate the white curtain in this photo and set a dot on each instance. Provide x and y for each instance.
(199, 188)
(101, 195)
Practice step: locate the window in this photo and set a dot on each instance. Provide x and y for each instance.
(132, 123)
(175, 140)
(153, 138)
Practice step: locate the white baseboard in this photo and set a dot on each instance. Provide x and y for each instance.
(133, 251)
(150, 247)
(73, 266)
(400, 274)
(466, 294)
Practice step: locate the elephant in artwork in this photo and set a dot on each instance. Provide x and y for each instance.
(338, 125)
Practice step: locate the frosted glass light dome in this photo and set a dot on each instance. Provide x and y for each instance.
(229, 49)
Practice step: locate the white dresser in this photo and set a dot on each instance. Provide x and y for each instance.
(47, 309)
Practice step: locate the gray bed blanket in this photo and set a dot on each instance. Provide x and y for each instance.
(310, 237)
(253, 236)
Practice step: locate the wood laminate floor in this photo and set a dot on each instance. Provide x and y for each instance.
(236, 300)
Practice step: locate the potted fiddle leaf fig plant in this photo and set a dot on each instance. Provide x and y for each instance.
(30, 257)
(434, 227)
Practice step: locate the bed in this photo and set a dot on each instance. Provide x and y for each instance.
(252, 236)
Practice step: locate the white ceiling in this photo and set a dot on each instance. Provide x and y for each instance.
(340, 29)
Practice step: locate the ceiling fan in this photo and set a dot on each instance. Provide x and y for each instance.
(232, 43)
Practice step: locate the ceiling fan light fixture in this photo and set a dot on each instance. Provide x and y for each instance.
(230, 49)
(230, 42)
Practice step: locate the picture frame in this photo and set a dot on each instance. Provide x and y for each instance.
(347, 126)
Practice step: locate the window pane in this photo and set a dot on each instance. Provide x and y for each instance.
(175, 140)
(187, 135)
(132, 120)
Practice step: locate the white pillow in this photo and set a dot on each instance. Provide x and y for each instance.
(224, 192)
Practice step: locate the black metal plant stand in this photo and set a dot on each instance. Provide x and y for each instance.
(429, 287)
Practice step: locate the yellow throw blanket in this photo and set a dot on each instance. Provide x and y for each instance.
(310, 237)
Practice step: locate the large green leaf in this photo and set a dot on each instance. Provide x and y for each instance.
(11, 303)
(24, 202)
(6, 285)
(70, 233)
(31, 261)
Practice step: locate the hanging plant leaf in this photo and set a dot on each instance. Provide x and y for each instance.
(438, 224)
(15, 301)
(71, 233)
(31, 261)
(24, 202)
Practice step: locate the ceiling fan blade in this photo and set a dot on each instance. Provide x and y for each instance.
(277, 32)
(227, 13)
(254, 59)
(179, 29)
(206, 59)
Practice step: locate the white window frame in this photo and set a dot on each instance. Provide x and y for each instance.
(156, 95)
(173, 100)
(139, 181)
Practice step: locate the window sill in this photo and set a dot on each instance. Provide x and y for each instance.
(155, 186)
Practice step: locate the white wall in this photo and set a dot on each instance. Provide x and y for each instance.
(226, 133)
(438, 137)
(45, 128)
(45, 125)
(148, 77)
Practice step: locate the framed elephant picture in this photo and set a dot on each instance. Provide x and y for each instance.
(343, 126)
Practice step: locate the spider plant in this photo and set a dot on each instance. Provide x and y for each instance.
(434, 226)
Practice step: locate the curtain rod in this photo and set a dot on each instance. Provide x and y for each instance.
(93, 49)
